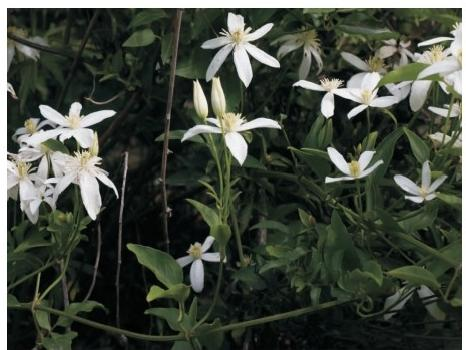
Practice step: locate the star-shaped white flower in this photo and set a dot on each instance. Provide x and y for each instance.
(426, 191)
(231, 125)
(311, 47)
(366, 95)
(356, 169)
(371, 65)
(73, 125)
(19, 178)
(31, 126)
(197, 253)
(392, 47)
(83, 170)
(238, 39)
(330, 87)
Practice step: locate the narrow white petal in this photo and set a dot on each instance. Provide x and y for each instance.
(436, 184)
(107, 182)
(370, 81)
(185, 260)
(42, 136)
(215, 43)
(259, 33)
(305, 66)
(355, 61)
(365, 159)
(75, 109)
(369, 170)
(288, 47)
(435, 41)
(384, 101)
(338, 159)
(356, 110)
(96, 117)
(259, 123)
(200, 129)
(394, 304)
(327, 106)
(426, 176)
(432, 308)
(52, 115)
(329, 180)
(212, 257)
(443, 112)
(261, 56)
(243, 65)
(355, 81)
(214, 121)
(237, 146)
(217, 61)
(43, 168)
(10, 54)
(419, 91)
(446, 66)
(386, 51)
(309, 85)
(350, 94)
(90, 194)
(235, 22)
(407, 185)
(207, 243)
(429, 197)
(34, 205)
(415, 199)
(84, 137)
(196, 275)
(63, 184)
(318, 59)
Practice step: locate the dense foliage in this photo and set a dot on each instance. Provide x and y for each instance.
(338, 202)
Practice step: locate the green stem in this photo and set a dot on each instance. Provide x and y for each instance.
(234, 219)
(359, 207)
(368, 119)
(32, 274)
(57, 280)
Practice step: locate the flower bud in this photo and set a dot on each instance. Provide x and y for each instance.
(218, 98)
(94, 149)
(199, 100)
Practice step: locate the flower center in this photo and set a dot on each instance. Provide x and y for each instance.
(330, 84)
(366, 96)
(23, 169)
(74, 121)
(375, 63)
(195, 250)
(31, 126)
(423, 192)
(83, 158)
(436, 54)
(310, 39)
(237, 36)
(354, 168)
(231, 121)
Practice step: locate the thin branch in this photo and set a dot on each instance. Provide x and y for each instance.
(77, 57)
(111, 99)
(67, 33)
(40, 47)
(96, 262)
(171, 86)
(64, 285)
(120, 236)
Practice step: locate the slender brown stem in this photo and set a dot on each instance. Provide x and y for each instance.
(76, 59)
(96, 262)
(171, 86)
(120, 236)
(40, 47)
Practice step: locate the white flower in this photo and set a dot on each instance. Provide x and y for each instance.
(73, 125)
(83, 170)
(199, 101)
(230, 125)
(392, 47)
(31, 126)
(443, 112)
(27, 51)
(366, 95)
(426, 191)
(440, 138)
(457, 30)
(420, 88)
(11, 90)
(311, 47)
(373, 64)
(197, 253)
(217, 98)
(238, 39)
(400, 90)
(356, 169)
(45, 154)
(19, 178)
(43, 192)
(454, 79)
(330, 86)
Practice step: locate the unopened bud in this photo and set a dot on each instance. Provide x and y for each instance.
(218, 98)
(199, 100)
(94, 149)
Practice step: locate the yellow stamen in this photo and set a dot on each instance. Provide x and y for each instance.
(31, 126)
(195, 250)
(355, 170)
(23, 169)
(231, 121)
(74, 120)
(366, 96)
(436, 53)
(330, 84)
(375, 63)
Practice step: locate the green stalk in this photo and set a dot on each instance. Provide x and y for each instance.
(30, 275)
(368, 118)
(234, 219)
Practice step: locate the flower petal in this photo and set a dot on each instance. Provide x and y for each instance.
(212, 257)
(288, 47)
(443, 112)
(196, 275)
(243, 65)
(309, 85)
(440, 39)
(355, 61)
(83, 136)
(207, 243)
(384, 101)
(42, 136)
(426, 176)
(237, 146)
(235, 22)
(259, 123)
(365, 159)
(356, 110)
(185, 260)
(75, 109)
(52, 115)
(356, 80)
(318, 59)
(200, 129)
(395, 303)
(215, 42)
(107, 182)
(415, 199)
(449, 65)
(327, 106)
(407, 185)
(386, 51)
(217, 61)
(337, 179)
(338, 159)
(96, 117)
(419, 91)
(261, 56)
(436, 184)
(305, 66)
(259, 33)
(349, 93)
(370, 81)
(369, 170)
(90, 194)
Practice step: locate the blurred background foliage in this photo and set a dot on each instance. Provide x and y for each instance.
(286, 225)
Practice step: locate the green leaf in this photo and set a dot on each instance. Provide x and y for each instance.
(419, 219)
(181, 345)
(208, 214)
(385, 151)
(450, 199)
(164, 267)
(415, 275)
(222, 234)
(407, 72)
(171, 316)
(12, 301)
(57, 341)
(76, 308)
(140, 38)
(56, 146)
(193, 311)
(179, 292)
(420, 150)
(211, 340)
(271, 225)
(368, 32)
(147, 16)
(166, 48)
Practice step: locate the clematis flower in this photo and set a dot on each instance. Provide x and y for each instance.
(82, 169)
(393, 47)
(439, 138)
(231, 125)
(27, 51)
(237, 39)
(45, 156)
(330, 86)
(366, 95)
(31, 126)
(373, 64)
(73, 125)
(19, 178)
(426, 191)
(197, 253)
(199, 101)
(356, 169)
(310, 43)
(443, 112)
